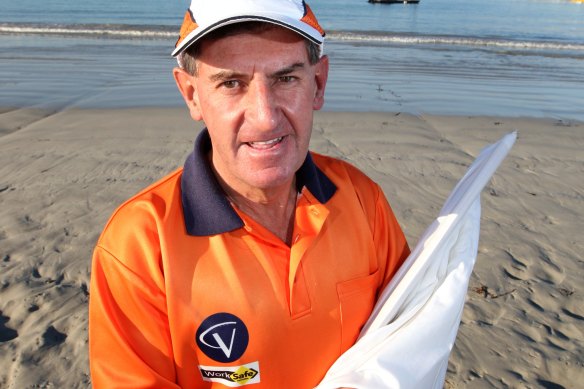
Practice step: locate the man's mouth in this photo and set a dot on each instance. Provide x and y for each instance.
(265, 145)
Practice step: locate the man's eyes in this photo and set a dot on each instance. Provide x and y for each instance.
(230, 84)
(287, 79)
(235, 84)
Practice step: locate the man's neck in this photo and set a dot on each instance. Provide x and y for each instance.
(273, 209)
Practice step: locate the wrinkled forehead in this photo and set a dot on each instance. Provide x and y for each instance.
(271, 49)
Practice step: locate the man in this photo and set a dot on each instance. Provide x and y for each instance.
(259, 262)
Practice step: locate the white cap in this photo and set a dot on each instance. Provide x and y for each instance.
(204, 16)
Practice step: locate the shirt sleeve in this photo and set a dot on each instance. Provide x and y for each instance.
(390, 242)
(129, 338)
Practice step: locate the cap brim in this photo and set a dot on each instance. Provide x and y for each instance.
(295, 25)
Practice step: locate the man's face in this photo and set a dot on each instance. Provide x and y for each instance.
(256, 94)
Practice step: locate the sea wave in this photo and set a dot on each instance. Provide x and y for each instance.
(416, 39)
(96, 30)
(124, 31)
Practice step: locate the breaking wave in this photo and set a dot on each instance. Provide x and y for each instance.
(414, 39)
(124, 31)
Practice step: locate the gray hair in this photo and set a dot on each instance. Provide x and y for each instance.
(187, 60)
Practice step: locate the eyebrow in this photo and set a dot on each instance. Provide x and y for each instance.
(288, 69)
(225, 75)
(228, 74)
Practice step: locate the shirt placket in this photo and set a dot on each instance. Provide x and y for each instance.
(309, 220)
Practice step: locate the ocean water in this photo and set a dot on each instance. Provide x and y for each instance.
(496, 57)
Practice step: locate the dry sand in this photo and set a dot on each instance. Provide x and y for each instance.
(63, 173)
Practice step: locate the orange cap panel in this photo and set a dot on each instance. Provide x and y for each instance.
(189, 25)
(310, 19)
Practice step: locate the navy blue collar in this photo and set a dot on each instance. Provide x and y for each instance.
(207, 210)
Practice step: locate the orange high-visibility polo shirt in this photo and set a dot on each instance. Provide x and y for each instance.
(187, 291)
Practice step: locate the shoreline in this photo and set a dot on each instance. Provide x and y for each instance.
(60, 73)
(15, 118)
(64, 172)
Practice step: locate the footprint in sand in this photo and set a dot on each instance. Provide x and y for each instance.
(52, 337)
(6, 333)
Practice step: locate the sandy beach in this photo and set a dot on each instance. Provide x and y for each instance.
(63, 172)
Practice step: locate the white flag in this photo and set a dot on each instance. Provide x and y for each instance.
(408, 338)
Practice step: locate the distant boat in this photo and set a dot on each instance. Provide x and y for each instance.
(398, 1)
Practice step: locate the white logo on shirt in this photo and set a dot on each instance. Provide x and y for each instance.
(220, 343)
(223, 337)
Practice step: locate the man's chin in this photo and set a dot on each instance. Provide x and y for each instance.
(272, 178)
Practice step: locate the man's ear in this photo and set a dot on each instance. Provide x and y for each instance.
(321, 77)
(187, 88)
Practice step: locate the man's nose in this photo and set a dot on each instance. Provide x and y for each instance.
(263, 106)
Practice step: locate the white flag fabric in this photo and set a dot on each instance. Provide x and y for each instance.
(408, 338)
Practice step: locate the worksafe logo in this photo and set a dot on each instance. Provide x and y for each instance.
(223, 337)
(232, 376)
